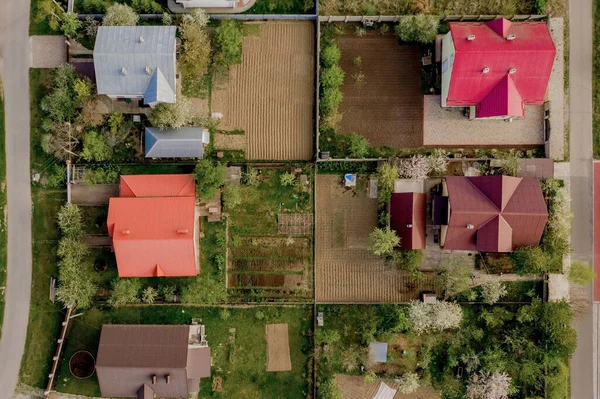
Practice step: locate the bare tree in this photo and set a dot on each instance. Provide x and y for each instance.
(489, 386)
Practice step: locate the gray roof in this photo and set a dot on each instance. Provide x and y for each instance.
(378, 352)
(187, 142)
(127, 60)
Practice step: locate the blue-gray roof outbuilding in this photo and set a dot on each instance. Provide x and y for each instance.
(187, 142)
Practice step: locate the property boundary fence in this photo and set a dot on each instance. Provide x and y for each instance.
(446, 18)
(56, 358)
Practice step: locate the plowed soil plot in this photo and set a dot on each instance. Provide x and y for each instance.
(346, 270)
(387, 106)
(271, 94)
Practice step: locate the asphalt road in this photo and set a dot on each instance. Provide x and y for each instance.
(583, 373)
(14, 36)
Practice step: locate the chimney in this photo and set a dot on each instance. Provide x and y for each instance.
(141, 39)
(511, 37)
(409, 226)
(154, 379)
(182, 231)
(471, 38)
(470, 227)
(512, 70)
(148, 70)
(485, 70)
(123, 71)
(168, 378)
(125, 232)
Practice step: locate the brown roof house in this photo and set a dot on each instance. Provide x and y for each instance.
(407, 218)
(152, 361)
(491, 213)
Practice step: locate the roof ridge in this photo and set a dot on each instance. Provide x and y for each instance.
(124, 181)
(186, 184)
(485, 196)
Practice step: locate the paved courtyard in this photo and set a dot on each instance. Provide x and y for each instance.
(448, 127)
(47, 51)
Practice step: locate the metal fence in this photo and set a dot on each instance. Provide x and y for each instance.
(447, 18)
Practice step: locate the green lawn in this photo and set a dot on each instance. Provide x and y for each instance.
(2, 205)
(596, 81)
(240, 361)
(40, 26)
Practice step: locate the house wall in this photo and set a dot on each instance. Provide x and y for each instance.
(448, 54)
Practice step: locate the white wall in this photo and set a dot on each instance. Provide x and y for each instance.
(448, 53)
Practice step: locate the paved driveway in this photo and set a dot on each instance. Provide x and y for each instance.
(47, 51)
(14, 38)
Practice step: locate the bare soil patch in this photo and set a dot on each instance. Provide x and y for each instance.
(229, 141)
(346, 270)
(271, 94)
(354, 387)
(387, 107)
(278, 348)
(82, 364)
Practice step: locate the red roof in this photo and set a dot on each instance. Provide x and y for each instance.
(154, 236)
(407, 218)
(494, 213)
(500, 93)
(596, 213)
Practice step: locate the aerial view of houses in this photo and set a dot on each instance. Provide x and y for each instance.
(318, 199)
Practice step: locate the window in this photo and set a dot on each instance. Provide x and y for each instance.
(444, 66)
(451, 59)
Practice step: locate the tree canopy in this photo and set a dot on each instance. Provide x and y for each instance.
(383, 241)
(209, 177)
(120, 15)
(172, 115)
(228, 43)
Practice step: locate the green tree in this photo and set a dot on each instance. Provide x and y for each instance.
(60, 104)
(359, 146)
(492, 291)
(331, 98)
(120, 15)
(195, 50)
(125, 291)
(70, 220)
(457, 277)
(76, 288)
(386, 176)
(209, 177)
(51, 11)
(409, 260)
(228, 43)
(383, 241)
(94, 148)
(420, 28)
(205, 290)
(72, 248)
(172, 115)
(330, 55)
(146, 7)
(581, 273)
(70, 24)
(530, 260)
(332, 76)
(149, 295)
(287, 179)
(84, 90)
(93, 6)
(329, 390)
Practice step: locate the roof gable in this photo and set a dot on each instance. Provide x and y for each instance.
(531, 54)
(503, 100)
(158, 186)
(495, 236)
(158, 89)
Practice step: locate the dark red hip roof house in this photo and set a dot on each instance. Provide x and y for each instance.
(494, 213)
(407, 218)
(153, 226)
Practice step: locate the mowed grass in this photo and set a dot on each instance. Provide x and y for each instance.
(3, 233)
(596, 81)
(239, 356)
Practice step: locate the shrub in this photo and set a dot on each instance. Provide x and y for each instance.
(434, 317)
(332, 77)
(149, 295)
(492, 291)
(438, 162)
(57, 177)
(408, 383)
(228, 43)
(168, 292)
(530, 260)
(146, 7)
(386, 177)
(329, 390)
(76, 288)
(539, 7)
(510, 165)
(232, 196)
(206, 291)
(172, 115)
(93, 6)
(331, 98)
(357, 61)
(167, 19)
(125, 291)
(209, 178)
(224, 314)
(120, 15)
(94, 148)
(195, 50)
(419, 28)
(383, 241)
(581, 273)
(326, 336)
(287, 179)
(259, 315)
(60, 104)
(250, 177)
(359, 146)
(409, 260)
(330, 55)
(70, 24)
(70, 220)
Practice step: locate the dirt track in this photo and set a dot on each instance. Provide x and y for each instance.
(278, 348)
(271, 95)
(387, 108)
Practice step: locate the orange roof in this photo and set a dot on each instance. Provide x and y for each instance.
(158, 186)
(154, 236)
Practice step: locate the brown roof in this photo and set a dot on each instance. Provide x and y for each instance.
(504, 212)
(130, 355)
(407, 218)
(145, 392)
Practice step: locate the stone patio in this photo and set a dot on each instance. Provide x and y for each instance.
(448, 127)
(47, 51)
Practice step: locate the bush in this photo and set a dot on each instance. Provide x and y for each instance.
(331, 98)
(386, 177)
(58, 176)
(287, 179)
(332, 77)
(326, 336)
(146, 7)
(70, 220)
(172, 115)
(457, 277)
(93, 6)
(209, 178)
(149, 295)
(359, 146)
(70, 24)
(530, 260)
(383, 241)
(228, 43)
(168, 292)
(76, 288)
(205, 290)
(419, 28)
(250, 178)
(120, 15)
(409, 383)
(224, 314)
(125, 291)
(409, 260)
(94, 148)
(539, 7)
(329, 390)
(330, 55)
(492, 291)
(581, 273)
(60, 104)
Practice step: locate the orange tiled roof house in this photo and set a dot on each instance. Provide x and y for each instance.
(153, 226)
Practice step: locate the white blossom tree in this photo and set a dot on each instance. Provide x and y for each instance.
(408, 383)
(434, 317)
(120, 15)
(489, 386)
(416, 167)
(437, 162)
(492, 291)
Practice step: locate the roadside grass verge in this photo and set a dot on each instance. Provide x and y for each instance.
(38, 26)
(236, 337)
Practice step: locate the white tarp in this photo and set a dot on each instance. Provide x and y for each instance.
(384, 392)
(206, 3)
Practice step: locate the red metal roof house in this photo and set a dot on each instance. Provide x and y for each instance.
(493, 213)
(497, 67)
(153, 226)
(407, 218)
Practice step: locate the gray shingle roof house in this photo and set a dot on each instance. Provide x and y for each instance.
(142, 361)
(136, 62)
(187, 142)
